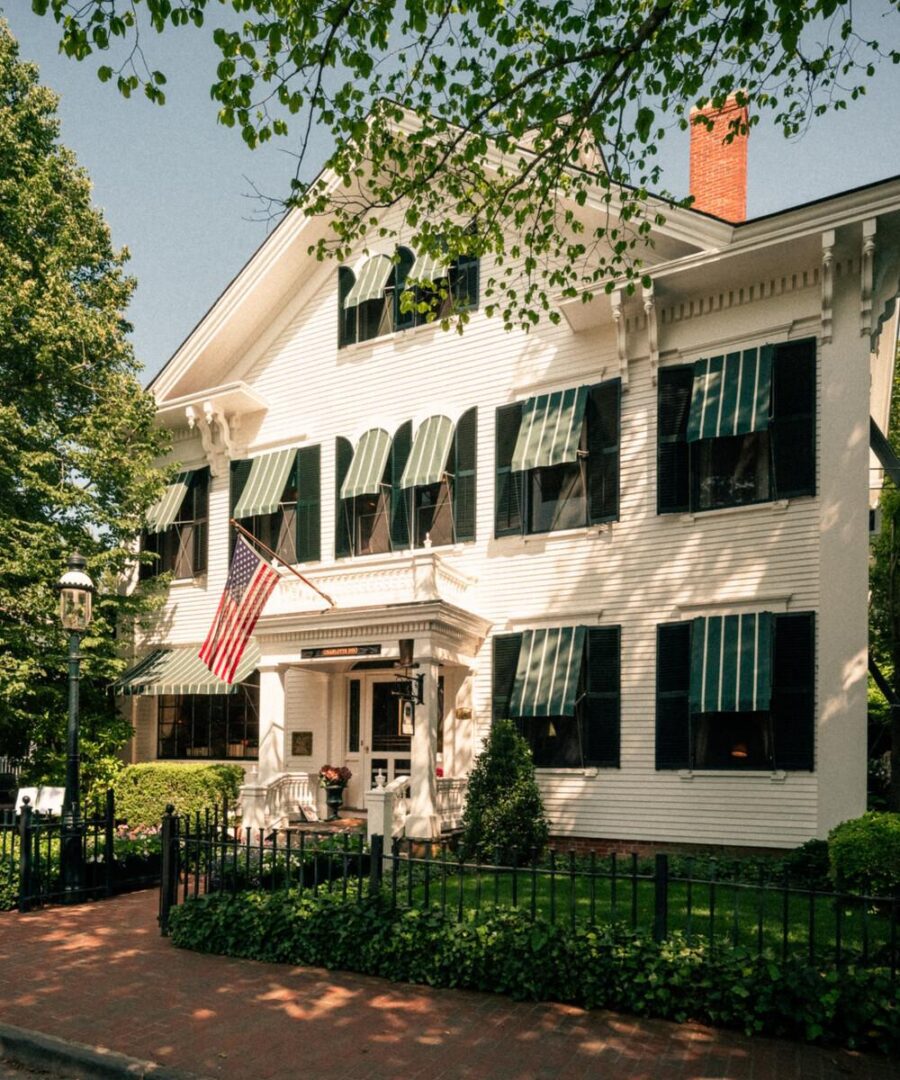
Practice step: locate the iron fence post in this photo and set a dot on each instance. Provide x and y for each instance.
(376, 863)
(168, 883)
(661, 898)
(109, 842)
(25, 855)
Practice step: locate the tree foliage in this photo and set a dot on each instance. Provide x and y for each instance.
(484, 122)
(77, 438)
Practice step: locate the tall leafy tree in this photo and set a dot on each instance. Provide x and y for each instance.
(77, 439)
(484, 121)
(884, 631)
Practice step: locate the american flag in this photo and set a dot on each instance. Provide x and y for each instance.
(248, 586)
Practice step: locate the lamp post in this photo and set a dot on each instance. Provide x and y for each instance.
(75, 592)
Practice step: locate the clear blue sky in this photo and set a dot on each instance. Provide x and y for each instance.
(178, 190)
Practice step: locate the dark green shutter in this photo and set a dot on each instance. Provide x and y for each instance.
(508, 486)
(601, 710)
(150, 542)
(353, 717)
(346, 316)
(200, 514)
(603, 411)
(673, 680)
(793, 426)
(673, 461)
(343, 455)
(465, 452)
(794, 691)
(309, 504)
(400, 498)
(403, 320)
(240, 474)
(505, 654)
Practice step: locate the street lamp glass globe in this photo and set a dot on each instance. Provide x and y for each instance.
(75, 590)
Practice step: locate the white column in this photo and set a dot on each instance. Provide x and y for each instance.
(423, 820)
(271, 721)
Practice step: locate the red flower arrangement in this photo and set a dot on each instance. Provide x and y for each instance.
(334, 776)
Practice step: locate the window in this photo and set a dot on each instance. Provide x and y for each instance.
(369, 305)
(276, 497)
(694, 733)
(557, 461)
(181, 525)
(772, 453)
(562, 687)
(436, 488)
(369, 515)
(217, 726)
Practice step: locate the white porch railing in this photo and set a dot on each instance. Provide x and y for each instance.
(387, 808)
(451, 800)
(270, 805)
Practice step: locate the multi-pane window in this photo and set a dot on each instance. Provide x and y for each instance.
(561, 686)
(401, 492)
(219, 726)
(557, 461)
(737, 429)
(370, 304)
(179, 538)
(736, 693)
(276, 497)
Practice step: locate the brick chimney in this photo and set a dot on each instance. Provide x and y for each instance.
(719, 170)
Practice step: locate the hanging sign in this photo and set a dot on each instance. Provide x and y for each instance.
(339, 651)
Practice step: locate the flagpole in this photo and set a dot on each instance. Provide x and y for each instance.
(240, 528)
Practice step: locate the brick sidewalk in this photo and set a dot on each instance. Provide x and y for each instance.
(101, 974)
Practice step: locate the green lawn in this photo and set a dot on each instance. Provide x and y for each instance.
(725, 912)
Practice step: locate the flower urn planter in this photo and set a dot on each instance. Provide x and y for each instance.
(334, 796)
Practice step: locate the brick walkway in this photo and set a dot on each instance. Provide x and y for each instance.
(100, 974)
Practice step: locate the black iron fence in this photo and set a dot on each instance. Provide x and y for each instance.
(34, 855)
(763, 910)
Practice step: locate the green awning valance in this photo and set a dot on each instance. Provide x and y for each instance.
(368, 464)
(428, 457)
(428, 268)
(265, 484)
(550, 432)
(731, 663)
(371, 281)
(731, 394)
(548, 671)
(181, 671)
(161, 515)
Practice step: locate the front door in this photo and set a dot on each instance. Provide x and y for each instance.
(388, 749)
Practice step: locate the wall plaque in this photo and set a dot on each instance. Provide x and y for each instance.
(339, 651)
(301, 743)
(463, 712)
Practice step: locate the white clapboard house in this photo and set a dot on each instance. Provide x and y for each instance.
(642, 533)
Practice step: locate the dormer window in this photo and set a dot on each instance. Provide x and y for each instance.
(369, 303)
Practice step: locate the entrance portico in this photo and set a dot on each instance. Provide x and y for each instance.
(327, 682)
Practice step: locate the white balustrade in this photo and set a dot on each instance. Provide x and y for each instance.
(451, 800)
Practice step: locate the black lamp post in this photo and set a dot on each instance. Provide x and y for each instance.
(75, 592)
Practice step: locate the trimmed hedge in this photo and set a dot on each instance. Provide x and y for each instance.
(508, 952)
(143, 791)
(865, 854)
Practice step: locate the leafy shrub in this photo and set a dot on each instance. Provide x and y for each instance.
(531, 959)
(143, 791)
(9, 882)
(807, 866)
(864, 853)
(503, 810)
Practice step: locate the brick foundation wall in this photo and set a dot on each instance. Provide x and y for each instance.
(719, 170)
(582, 845)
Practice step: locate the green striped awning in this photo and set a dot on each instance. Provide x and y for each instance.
(161, 515)
(547, 673)
(371, 281)
(550, 432)
(265, 484)
(428, 457)
(731, 394)
(428, 268)
(181, 671)
(731, 663)
(367, 467)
